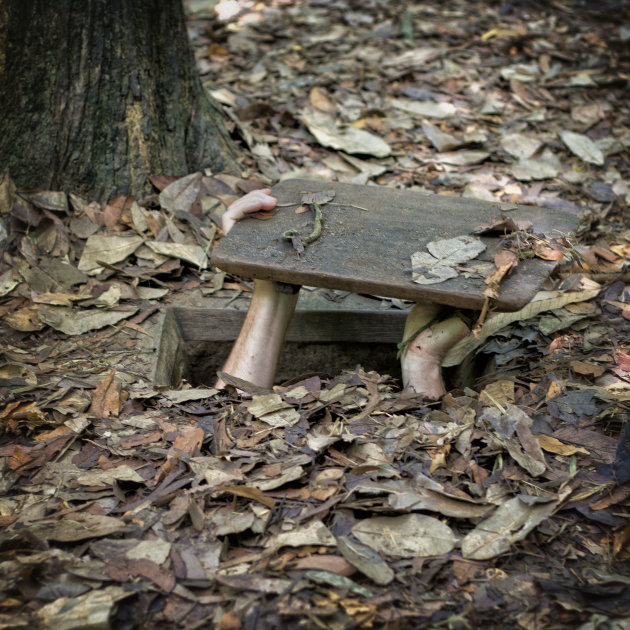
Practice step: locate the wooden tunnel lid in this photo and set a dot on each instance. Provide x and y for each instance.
(368, 236)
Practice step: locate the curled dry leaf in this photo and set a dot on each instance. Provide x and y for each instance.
(321, 101)
(583, 147)
(414, 535)
(190, 253)
(504, 225)
(106, 398)
(181, 194)
(107, 248)
(509, 524)
(73, 322)
(349, 139)
(547, 252)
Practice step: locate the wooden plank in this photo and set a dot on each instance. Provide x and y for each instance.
(170, 359)
(307, 326)
(367, 241)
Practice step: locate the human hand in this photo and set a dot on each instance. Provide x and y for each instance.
(249, 203)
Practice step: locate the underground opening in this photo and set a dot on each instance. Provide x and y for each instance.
(194, 343)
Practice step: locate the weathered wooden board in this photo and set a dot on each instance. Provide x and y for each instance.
(308, 326)
(368, 236)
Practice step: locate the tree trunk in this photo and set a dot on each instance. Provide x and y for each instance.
(95, 95)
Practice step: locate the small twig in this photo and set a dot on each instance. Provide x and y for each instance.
(482, 317)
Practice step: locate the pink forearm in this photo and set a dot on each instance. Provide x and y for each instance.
(256, 351)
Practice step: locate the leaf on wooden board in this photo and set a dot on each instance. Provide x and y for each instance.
(438, 265)
(107, 248)
(503, 224)
(314, 533)
(106, 398)
(583, 147)
(184, 251)
(511, 522)
(411, 535)
(181, 194)
(349, 139)
(320, 197)
(73, 322)
(542, 301)
(425, 109)
(366, 560)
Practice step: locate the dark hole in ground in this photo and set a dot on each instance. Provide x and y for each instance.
(194, 343)
(298, 360)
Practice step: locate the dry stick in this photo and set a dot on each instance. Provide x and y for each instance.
(482, 317)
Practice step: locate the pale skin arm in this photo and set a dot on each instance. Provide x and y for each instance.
(248, 204)
(421, 360)
(254, 356)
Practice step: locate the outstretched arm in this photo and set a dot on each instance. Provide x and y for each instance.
(254, 356)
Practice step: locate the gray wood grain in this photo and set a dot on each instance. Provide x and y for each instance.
(368, 250)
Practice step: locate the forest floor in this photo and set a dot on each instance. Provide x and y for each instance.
(334, 501)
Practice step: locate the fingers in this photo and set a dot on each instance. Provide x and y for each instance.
(251, 202)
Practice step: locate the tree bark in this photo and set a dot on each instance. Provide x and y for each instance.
(96, 95)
